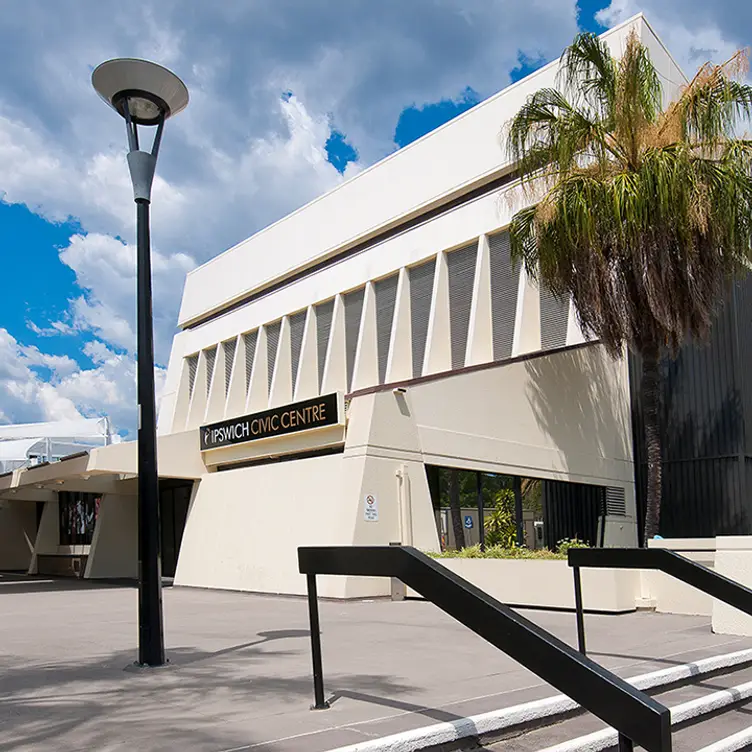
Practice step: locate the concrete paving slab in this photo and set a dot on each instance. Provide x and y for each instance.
(240, 676)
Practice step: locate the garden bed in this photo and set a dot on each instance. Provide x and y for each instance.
(544, 580)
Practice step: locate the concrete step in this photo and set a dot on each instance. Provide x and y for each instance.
(704, 710)
(511, 721)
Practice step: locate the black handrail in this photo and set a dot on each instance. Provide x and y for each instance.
(669, 562)
(637, 717)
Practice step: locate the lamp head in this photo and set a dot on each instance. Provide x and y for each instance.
(152, 92)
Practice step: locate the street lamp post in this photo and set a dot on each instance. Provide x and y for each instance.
(144, 94)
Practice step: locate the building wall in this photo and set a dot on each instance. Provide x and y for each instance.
(114, 546)
(244, 525)
(17, 534)
(705, 416)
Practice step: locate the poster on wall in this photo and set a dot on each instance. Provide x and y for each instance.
(371, 508)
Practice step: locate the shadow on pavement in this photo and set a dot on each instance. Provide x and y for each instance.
(15, 582)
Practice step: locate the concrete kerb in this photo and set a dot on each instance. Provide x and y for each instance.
(546, 711)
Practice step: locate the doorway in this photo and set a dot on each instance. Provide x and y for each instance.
(174, 500)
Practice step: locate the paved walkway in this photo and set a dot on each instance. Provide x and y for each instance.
(239, 677)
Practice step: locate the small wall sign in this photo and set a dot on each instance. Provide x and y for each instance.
(468, 522)
(371, 508)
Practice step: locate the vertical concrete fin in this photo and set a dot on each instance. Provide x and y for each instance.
(438, 342)
(280, 392)
(574, 333)
(399, 364)
(182, 400)
(198, 399)
(480, 332)
(335, 369)
(307, 382)
(215, 407)
(366, 368)
(527, 336)
(258, 394)
(236, 392)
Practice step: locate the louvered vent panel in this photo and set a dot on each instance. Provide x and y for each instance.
(211, 359)
(192, 368)
(461, 271)
(616, 504)
(229, 348)
(554, 313)
(250, 340)
(272, 341)
(386, 297)
(505, 278)
(297, 327)
(324, 313)
(353, 310)
(421, 289)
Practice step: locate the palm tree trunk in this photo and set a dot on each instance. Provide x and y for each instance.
(650, 396)
(454, 503)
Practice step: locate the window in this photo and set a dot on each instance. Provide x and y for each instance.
(78, 515)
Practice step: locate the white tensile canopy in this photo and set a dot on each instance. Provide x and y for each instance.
(26, 444)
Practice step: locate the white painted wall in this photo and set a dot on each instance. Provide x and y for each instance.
(548, 584)
(561, 416)
(733, 559)
(114, 546)
(672, 596)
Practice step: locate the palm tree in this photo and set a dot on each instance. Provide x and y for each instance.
(641, 214)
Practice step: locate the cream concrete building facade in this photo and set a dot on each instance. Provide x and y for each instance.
(390, 306)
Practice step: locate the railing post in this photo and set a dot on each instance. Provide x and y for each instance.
(578, 608)
(318, 672)
(625, 744)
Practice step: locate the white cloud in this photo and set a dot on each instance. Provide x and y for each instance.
(106, 268)
(35, 386)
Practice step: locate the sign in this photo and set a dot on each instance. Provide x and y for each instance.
(371, 508)
(468, 522)
(300, 416)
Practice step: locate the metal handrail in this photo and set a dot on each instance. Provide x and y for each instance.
(669, 562)
(637, 717)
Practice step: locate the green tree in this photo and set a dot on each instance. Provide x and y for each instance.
(641, 214)
(500, 525)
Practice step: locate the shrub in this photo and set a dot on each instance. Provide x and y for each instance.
(564, 545)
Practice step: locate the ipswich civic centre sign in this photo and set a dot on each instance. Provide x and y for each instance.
(299, 416)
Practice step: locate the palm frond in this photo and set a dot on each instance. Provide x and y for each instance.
(588, 74)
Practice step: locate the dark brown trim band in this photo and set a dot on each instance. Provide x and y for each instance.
(387, 234)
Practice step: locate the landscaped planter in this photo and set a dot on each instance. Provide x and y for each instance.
(548, 584)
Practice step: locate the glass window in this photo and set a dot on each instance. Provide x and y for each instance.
(78, 515)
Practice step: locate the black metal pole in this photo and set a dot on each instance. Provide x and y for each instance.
(625, 744)
(318, 672)
(578, 609)
(518, 513)
(150, 630)
(481, 512)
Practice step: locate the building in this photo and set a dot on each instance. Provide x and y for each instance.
(333, 368)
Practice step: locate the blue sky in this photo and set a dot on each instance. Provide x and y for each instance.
(305, 104)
